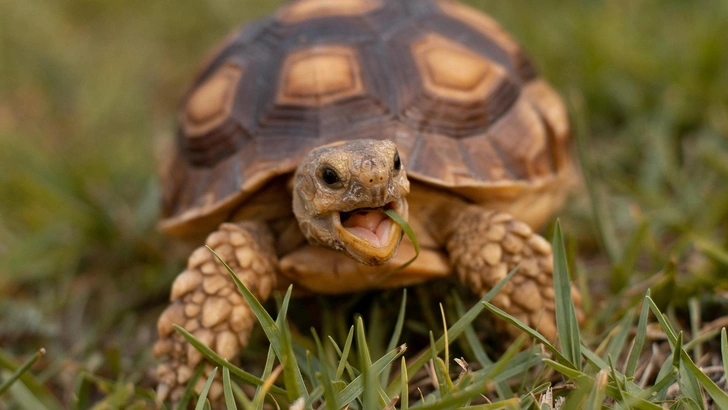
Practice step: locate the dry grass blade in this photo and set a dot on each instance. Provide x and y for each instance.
(265, 388)
(598, 393)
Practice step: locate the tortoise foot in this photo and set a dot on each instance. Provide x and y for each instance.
(206, 303)
(486, 245)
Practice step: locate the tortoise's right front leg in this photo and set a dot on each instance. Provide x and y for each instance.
(206, 302)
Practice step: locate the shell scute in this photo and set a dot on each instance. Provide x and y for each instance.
(445, 82)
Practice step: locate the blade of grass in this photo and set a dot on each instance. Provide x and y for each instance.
(189, 389)
(678, 346)
(279, 338)
(311, 371)
(410, 234)
(205, 390)
(227, 390)
(214, 357)
(375, 331)
(596, 397)
(394, 340)
(724, 352)
(567, 371)
(630, 399)
(344, 355)
(457, 328)
(664, 323)
(533, 333)
(329, 393)
(292, 376)
(404, 386)
(714, 252)
(269, 362)
(566, 323)
(259, 398)
(694, 309)
(315, 395)
(370, 400)
(447, 341)
(688, 369)
(38, 390)
(619, 382)
(511, 365)
(474, 343)
(355, 388)
(618, 340)
(242, 397)
(21, 370)
(667, 379)
(512, 402)
(264, 319)
(277, 334)
(81, 393)
(25, 398)
(639, 341)
(458, 398)
(476, 347)
(440, 374)
(719, 396)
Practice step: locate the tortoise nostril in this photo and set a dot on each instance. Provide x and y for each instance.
(371, 180)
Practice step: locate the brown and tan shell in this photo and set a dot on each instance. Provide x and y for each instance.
(444, 81)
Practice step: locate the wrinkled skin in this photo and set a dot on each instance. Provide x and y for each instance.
(333, 182)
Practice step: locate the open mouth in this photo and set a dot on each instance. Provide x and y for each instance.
(371, 225)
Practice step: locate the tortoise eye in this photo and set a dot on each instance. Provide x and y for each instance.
(397, 162)
(330, 177)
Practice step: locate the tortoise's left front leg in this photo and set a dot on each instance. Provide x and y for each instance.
(485, 245)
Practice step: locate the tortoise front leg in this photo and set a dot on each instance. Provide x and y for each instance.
(485, 245)
(206, 302)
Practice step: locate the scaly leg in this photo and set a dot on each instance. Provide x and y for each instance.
(206, 302)
(485, 245)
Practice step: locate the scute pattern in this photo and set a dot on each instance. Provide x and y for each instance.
(492, 30)
(319, 75)
(208, 134)
(302, 10)
(462, 92)
(445, 82)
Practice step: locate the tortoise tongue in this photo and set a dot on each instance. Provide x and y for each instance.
(370, 226)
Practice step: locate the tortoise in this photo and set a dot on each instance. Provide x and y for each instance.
(301, 128)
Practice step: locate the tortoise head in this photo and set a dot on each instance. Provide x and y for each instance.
(339, 193)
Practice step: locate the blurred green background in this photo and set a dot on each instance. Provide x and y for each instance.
(88, 93)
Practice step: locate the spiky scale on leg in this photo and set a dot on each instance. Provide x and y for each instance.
(485, 245)
(206, 303)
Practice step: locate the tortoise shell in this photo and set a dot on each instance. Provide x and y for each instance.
(445, 82)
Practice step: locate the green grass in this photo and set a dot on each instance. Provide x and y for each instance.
(88, 91)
